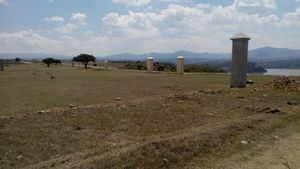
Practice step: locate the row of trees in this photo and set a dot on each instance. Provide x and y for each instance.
(83, 58)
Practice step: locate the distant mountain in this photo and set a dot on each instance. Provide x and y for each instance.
(190, 57)
(255, 55)
(30, 56)
(266, 57)
(273, 54)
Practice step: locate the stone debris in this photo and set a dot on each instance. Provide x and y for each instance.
(283, 82)
(19, 157)
(267, 110)
(250, 82)
(244, 142)
(275, 137)
(42, 111)
(73, 106)
(291, 103)
(118, 98)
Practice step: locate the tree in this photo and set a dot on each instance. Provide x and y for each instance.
(84, 59)
(48, 61)
(56, 61)
(17, 59)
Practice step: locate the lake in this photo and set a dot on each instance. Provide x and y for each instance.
(283, 72)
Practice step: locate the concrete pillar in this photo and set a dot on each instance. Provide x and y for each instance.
(150, 64)
(180, 65)
(1, 65)
(239, 60)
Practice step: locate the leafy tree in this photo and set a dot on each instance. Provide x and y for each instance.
(84, 59)
(56, 61)
(48, 61)
(17, 59)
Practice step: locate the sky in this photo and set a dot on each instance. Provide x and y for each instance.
(104, 27)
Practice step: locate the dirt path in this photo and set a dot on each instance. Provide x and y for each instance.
(280, 151)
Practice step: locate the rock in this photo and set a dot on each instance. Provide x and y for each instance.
(273, 111)
(291, 103)
(52, 77)
(118, 98)
(19, 157)
(249, 82)
(210, 114)
(276, 137)
(283, 82)
(244, 142)
(78, 128)
(41, 112)
(73, 106)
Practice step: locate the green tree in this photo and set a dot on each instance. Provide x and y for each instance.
(17, 59)
(48, 61)
(56, 61)
(84, 59)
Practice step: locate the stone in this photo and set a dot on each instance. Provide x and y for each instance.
(19, 157)
(249, 82)
(1, 65)
(244, 142)
(118, 99)
(180, 65)
(291, 103)
(73, 106)
(239, 60)
(150, 64)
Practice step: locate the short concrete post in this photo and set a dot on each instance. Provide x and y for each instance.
(180, 65)
(239, 60)
(150, 64)
(1, 65)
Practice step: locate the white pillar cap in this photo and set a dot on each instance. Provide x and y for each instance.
(180, 57)
(241, 36)
(150, 58)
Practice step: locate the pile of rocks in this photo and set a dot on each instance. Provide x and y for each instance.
(283, 82)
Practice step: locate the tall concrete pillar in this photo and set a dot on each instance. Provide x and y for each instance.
(150, 64)
(239, 60)
(1, 65)
(180, 65)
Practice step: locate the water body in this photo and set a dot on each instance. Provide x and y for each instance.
(283, 72)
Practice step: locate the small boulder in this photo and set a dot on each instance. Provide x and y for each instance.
(118, 98)
(244, 142)
(250, 82)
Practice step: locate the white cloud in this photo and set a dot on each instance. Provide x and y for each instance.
(79, 18)
(132, 2)
(4, 2)
(67, 28)
(292, 18)
(134, 25)
(200, 28)
(255, 6)
(54, 19)
(27, 41)
(88, 33)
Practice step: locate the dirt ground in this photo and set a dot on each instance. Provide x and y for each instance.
(163, 121)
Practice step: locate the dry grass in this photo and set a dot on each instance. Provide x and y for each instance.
(162, 120)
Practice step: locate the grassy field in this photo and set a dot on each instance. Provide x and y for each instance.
(158, 121)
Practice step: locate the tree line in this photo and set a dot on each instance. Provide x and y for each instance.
(83, 58)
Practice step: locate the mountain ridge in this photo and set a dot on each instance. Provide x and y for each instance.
(260, 54)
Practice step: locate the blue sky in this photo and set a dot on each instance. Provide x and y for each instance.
(103, 27)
